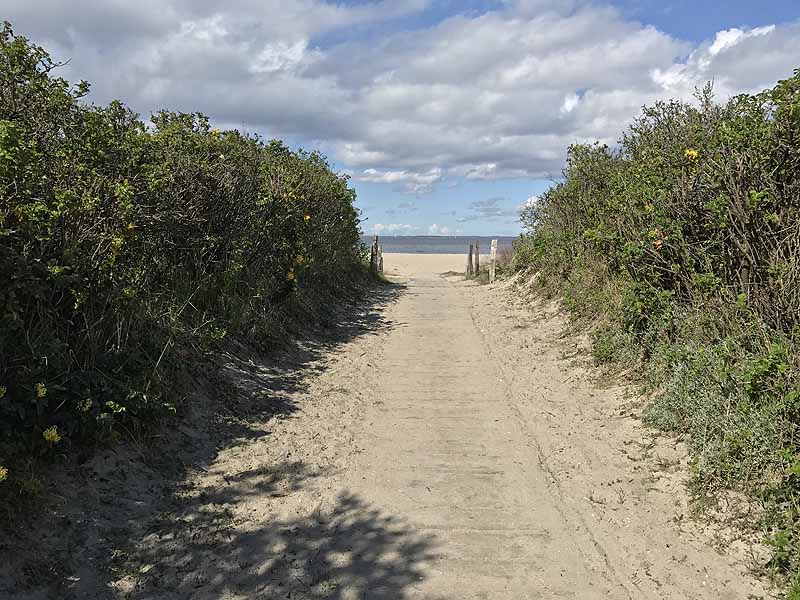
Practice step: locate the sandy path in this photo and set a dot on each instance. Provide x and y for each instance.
(451, 452)
(460, 463)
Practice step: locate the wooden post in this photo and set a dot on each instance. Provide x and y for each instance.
(468, 274)
(373, 256)
(492, 261)
(380, 259)
(477, 259)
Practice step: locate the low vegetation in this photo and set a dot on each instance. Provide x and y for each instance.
(130, 249)
(682, 248)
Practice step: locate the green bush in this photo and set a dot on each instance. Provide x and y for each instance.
(695, 220)
(127, 248)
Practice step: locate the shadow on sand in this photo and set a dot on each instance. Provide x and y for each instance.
(130, 526)
(262, 387)
(350, 551)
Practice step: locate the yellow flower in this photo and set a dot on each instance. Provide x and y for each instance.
(299, 260)
(51, 435)
(41, 390)
(307, 218)
(290, 276)
(3, 474)
(691, 154)
(215, 131)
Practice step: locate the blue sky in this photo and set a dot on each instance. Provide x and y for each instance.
(448, 115)
(698, 20)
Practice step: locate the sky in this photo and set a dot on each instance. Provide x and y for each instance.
(448, 115)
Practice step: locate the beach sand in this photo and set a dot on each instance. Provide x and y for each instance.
(445, 440)
(408, 265)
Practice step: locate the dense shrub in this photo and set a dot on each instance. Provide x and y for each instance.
(125, 248)
(686, 240)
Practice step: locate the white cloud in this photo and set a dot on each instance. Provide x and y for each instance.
(491, 210)
(730, 37)
(737, 61)
(480, 96)
(399, 228)
(570, 102)
(280, 56)
(485, 171)
(411, 182)
(436, 229)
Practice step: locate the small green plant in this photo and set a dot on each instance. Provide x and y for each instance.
(612, 345)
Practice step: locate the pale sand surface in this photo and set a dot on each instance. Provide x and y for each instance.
(407, 265)
(449, 442)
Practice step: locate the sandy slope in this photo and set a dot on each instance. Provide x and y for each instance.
(443, 447)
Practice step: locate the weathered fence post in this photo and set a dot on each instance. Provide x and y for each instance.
(373, 256)
(477, 259)
(468, 274)
(380, 260)
(492, 261)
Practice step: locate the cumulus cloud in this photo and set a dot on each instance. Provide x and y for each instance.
(730, 37)
(408, 181)
(390, 228)
(736, 60)
(436, 229)
(484, 95)
(491, 209)
(570, 102)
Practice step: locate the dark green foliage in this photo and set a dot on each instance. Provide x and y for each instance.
(126, 249)
(685, 241)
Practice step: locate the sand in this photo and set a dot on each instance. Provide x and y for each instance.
(408, 265)
(446, 441)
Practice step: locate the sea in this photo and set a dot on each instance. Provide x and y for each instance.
(437, 244)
